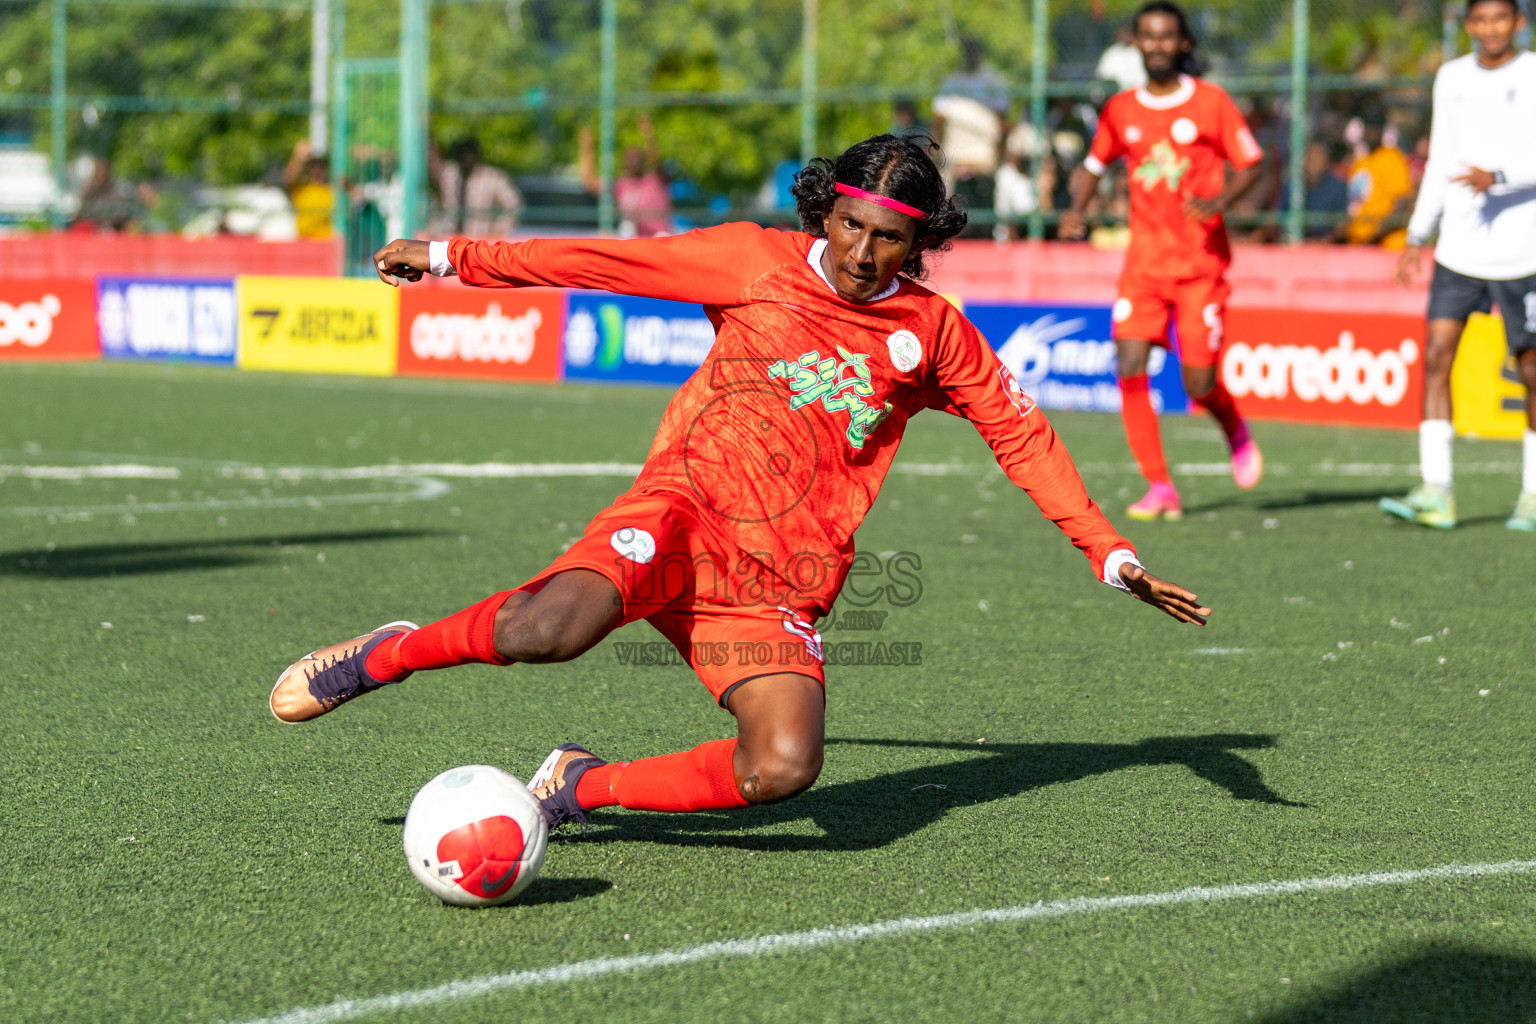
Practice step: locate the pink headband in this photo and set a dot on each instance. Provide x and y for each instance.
(892, 204)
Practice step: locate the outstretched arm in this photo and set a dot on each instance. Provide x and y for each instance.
(972, 382)
(712, 266)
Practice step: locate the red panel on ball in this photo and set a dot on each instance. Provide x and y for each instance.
(489, 852)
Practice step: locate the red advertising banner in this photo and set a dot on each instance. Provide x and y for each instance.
(48, 319)
(473, 332)
(1359, 368)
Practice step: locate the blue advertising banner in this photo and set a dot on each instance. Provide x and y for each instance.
(623, 339)
(1063, 356)
(166, 318)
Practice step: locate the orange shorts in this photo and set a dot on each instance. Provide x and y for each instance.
(728, 619)
(1197, 307)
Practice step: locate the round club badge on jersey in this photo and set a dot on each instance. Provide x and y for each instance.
(906, 351)
(1184, 131)
(634, 544)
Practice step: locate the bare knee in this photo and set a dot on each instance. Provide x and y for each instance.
(1131, 357)
(1440, 345)
(1527, 363)
(1199, 381)
(786, 769)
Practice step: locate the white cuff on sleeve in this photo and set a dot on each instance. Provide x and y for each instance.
(1112, 564)
(437, 257)
(1093, 165)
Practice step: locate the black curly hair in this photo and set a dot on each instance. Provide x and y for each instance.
(1189, 61)
(900, 167)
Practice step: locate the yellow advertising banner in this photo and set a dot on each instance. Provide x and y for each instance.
(1486, 393)
(317, 325)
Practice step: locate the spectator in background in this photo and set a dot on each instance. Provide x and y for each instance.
(106, 204)
(1121, 62)
(1380, 190)
(1080, 36)
(640, 192)
(969, 119)
(1015, 196)
(1326, 194)
(904, 119)
(307, 179)
(479, 201)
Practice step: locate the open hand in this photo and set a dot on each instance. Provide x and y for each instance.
(1169, 597)
(1197, 208)
(1071, 227)
(1409, 264)
(402, 260)
(1475, 178)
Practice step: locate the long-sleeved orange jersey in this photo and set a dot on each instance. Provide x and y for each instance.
(784, 435)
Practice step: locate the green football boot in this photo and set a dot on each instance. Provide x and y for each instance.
(1427, 505)
(1524, 518)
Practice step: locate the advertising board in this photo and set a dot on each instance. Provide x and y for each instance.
(317, 325)
(1486, 392)
(1063, 356)
(620, 338)
(166, 318)
(1350, 368)
(462, 332)
(47, 318)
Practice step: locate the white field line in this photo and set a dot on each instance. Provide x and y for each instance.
(125, 471)
(764, 945)
(426, 479)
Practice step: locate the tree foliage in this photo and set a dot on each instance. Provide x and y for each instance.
(545, 54)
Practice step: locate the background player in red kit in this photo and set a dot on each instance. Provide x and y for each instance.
(738, 532)
(1175, 133)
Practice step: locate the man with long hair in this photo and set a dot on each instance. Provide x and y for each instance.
(1176, 133)
(738, 533)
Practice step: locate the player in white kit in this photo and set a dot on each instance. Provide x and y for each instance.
(1480, 190)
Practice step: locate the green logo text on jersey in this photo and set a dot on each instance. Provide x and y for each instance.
(1162, 164)
(842, 387)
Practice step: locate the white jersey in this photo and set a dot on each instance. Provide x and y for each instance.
(1483, 119)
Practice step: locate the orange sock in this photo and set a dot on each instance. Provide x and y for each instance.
(463, 638)
(1141, 430)
(595, 787)
(1219, 404)
(701, 779)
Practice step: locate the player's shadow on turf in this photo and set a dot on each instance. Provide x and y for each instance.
(1437, 984)
(878, 811)
(94, 561)
(1303, 499)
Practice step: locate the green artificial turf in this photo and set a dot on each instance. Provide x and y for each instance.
(1362, 700)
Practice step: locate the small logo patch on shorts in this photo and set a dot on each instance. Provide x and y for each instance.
(634, 544)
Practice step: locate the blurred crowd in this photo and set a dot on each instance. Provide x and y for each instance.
(1362, 165)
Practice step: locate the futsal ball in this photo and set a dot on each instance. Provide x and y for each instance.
(474, 836)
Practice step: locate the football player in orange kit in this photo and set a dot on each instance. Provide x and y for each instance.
(738, 532)
(1175, 133)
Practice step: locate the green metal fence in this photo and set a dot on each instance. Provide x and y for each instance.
(734, 86)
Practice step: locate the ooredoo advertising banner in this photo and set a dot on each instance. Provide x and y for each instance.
(462, 332)
(47, 319)
(166, 318)
(317, 325)
(1365, 369)
(620, 338)
(1063, 356)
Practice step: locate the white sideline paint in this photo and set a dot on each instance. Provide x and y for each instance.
(107, 472)
(426, 479)
(764, 945)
